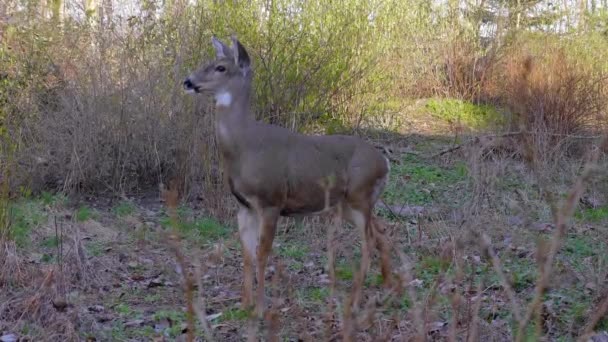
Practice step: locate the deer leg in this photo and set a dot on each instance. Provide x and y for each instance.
(248, 233)
(268, 225)
(361, 220)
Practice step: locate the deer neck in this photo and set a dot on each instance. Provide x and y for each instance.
(232, 117)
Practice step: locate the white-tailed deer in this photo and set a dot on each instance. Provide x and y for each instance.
(275, 172)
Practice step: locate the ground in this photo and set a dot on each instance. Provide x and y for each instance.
(102, 269)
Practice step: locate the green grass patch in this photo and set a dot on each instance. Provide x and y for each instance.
(344, 272)
(84, 213)
(523, 274)
(582, 252)
(123, 208)
(293, 251)
(48, 258)
(430, 267)
(152, 298)
(595, 215)
(123, 309)
(51, 199)
(473, 116)
(318, 294)
(175, 316)
(312, 296)
(418, 182)
(94, 248)
(50, 242)
(234, 314)
(144, 332)
(203, 229)
(25, 215)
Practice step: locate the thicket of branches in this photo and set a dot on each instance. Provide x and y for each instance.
(91, 98)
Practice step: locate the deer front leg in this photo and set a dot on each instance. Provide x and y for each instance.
(248, 232)
(268, 225)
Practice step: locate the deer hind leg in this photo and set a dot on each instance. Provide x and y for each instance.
(361, 219)
(268, 225)
(248, 232)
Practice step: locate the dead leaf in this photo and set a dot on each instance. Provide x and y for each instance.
(137, 277)
(8, 338)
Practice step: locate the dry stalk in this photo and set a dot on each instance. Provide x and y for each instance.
(272, 317)
(456, 297)
(562, 217)
(486, 244)
(59, 237)
(200, 306)
(34, 302)
(474, 326)
(77, 254)
(171, 199)
(598, 313)
(406, 279)
(252, 329)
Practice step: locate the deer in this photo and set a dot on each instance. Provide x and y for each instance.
(275, 172)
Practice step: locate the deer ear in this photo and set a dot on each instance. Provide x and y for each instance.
(221, 50)
(241, 57)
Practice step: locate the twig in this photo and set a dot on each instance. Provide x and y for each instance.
(496, 264)
(600, 311)
(171, 198)
(188, 286)
(406, 279)
(472, 334)
(448, 150)
(201, 307)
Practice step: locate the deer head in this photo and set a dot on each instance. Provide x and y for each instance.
(228, 74)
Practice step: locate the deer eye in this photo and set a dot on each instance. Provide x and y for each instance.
(220, 68)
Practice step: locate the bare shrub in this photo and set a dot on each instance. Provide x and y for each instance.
(553, 97)
(467, 70)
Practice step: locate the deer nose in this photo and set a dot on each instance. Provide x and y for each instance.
(188, 84)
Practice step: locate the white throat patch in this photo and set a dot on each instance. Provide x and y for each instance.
(223, 98)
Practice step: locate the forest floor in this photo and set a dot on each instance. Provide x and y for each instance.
(100, 270)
